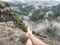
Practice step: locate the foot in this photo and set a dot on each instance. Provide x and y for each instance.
(29, 32)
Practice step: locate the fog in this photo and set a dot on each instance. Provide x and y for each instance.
(42, 26)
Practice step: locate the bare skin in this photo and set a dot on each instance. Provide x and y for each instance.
(32, 40)
(29, 42)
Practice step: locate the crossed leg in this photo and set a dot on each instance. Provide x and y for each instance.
(29, 42)
(32, 40)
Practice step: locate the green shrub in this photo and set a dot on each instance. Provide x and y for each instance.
(19, 22)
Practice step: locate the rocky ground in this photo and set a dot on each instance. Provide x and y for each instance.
(11, 35)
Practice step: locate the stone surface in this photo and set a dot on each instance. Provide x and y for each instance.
(10, 35)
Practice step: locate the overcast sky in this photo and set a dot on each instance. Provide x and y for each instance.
(30, 0)
(43, 0)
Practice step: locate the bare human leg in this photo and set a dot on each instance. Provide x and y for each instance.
(34, 40)
(29, 42)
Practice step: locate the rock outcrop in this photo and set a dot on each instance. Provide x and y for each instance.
(10, 35)
(5, 11)
(6, 14)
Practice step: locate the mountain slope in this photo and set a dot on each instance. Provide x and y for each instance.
(11, 28)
